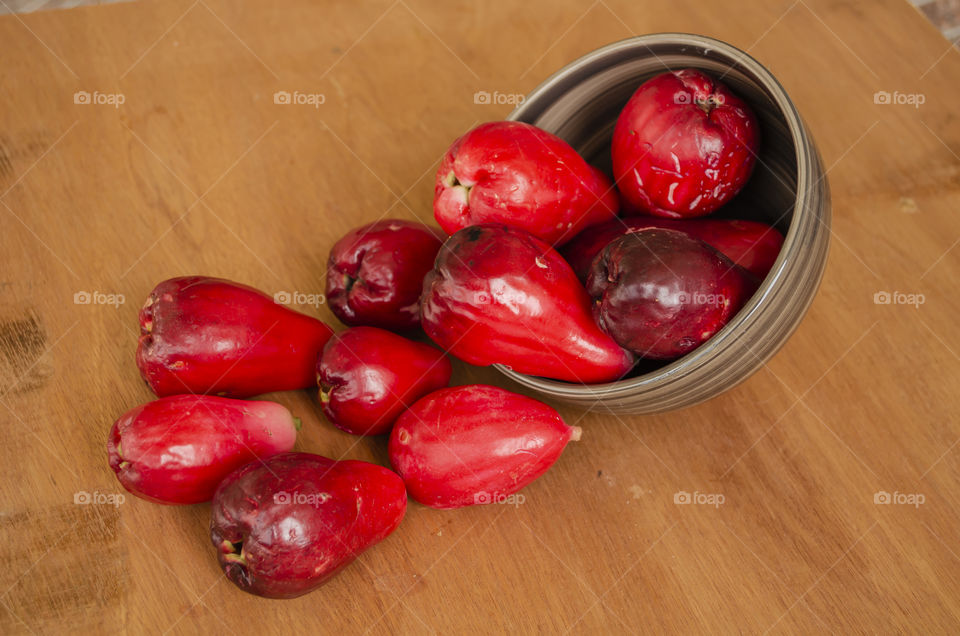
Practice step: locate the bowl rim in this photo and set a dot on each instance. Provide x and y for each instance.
(792, 240)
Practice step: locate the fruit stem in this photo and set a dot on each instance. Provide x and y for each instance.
(348, 282)
(297, 423)
(576, 433)
(231, 553)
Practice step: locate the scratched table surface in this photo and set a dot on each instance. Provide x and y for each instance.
(142, 141)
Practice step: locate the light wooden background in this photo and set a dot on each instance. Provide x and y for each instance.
(199, 171)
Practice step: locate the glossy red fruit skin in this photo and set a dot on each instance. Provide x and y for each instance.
(177, 450)
(475, 444)
(375, 273)
(518, 174)
(285, 526)
(683, 145)
(751, 245)
(661, 293)
(369, 376)
(500, 295)
(209, 335)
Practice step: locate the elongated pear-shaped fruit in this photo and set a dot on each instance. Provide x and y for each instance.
(209, 335)
(177, 449)
(498, 294)
(285, 526)
(475, 444)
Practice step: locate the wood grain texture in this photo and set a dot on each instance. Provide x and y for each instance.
(199, 171)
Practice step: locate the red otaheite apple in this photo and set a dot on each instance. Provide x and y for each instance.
(375, 273)
(369, 376)
(177, 449)
(282, 527)
(661, 293)
(683, 145)
(498, 294)
(208, 335)
(518, 174)
(475, 444)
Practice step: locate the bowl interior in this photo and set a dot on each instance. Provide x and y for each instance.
(582, 101)
(585, 112)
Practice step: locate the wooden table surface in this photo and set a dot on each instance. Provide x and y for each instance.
(199, 171)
